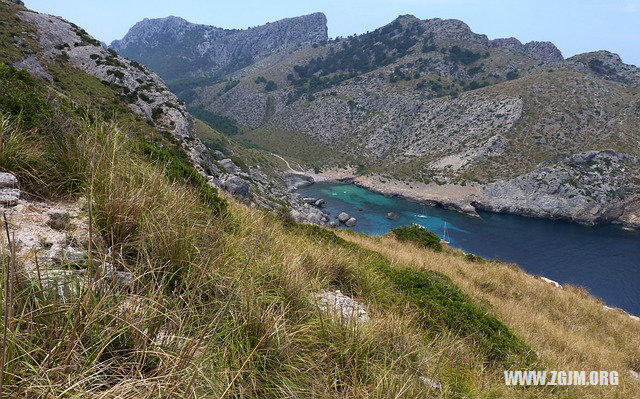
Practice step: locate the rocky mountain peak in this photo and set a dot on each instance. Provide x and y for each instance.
(209, 51)
(454, 30)
(605, 64)
(510, 43)
(543, 51)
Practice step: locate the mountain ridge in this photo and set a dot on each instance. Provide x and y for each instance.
(432, 101)
(211, 50)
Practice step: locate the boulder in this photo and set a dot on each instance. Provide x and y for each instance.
(237, 187)
(9, 192)
(57, 219)
(342, 307)
(309, 200)
(7, 180)
(320, 203)
(391, 216)
(343, 217)
(351, 222)
(230, 166)
(333, 224)
(9, 198)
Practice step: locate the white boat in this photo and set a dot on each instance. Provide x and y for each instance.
(423, 215)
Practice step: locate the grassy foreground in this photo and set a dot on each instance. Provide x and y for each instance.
(223, 299)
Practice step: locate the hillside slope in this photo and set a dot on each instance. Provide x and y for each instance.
(59, 50)
(431, 103)
(125, 274)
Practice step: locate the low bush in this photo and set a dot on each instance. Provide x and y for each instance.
(419, 235)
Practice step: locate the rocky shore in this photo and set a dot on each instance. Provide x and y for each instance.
(584, 189)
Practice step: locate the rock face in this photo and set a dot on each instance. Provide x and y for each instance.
(543, 51)
(210, 51)
(237, 187)
(588, 188)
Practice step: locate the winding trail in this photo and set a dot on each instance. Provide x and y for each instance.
(288, 166)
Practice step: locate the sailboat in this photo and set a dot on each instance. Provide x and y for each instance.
(445, 239)
(423, 215)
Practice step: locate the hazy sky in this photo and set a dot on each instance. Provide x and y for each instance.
(574, 26)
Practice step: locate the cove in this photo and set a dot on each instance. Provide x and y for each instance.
(604, 259)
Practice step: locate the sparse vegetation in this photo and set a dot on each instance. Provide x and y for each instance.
(219, 122)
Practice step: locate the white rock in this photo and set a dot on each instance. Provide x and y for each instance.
(550, 281)
(341, 307)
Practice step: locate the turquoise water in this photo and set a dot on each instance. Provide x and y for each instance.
(604, 259)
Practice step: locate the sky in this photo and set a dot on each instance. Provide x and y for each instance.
(573, 26)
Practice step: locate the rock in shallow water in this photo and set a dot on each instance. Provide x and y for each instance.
(343, 217)
(351, 222)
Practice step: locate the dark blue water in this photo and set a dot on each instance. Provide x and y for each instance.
(605, 259)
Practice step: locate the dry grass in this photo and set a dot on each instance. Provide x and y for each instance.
(222, 306)
(570, 329)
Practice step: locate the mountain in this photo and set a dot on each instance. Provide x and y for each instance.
(200, 51)
(145, 94)
(129, 274)
(468, 122)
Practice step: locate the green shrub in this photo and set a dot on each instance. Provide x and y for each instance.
(116, 73)
(156, 113)
(419, 235)
(21, 96)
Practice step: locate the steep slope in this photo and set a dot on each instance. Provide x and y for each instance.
(200, 51)
(61, 49)
(432, 102)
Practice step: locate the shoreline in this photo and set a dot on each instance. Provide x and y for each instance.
(356, 180)
(467, 200)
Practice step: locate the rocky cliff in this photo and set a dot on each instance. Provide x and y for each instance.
(207, 51)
